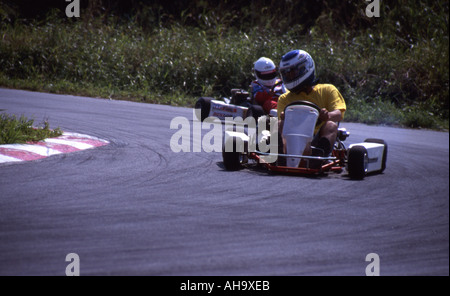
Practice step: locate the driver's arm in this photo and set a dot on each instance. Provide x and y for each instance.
(326, 115)
(280, 123)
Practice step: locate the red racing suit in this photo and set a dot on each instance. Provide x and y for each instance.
(262, 94)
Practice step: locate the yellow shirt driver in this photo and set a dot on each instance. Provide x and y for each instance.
(297, 70)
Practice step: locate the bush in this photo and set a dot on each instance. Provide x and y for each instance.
(21, 130)
(171, 53)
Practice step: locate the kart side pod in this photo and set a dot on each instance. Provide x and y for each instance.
(222, 110)
(235, 145)
(366, 158)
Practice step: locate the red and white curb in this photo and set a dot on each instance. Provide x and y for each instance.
(66, 143)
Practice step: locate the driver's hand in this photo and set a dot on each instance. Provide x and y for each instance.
(323, 115)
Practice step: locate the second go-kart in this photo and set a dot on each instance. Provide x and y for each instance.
(235, 106)
(240, 104)
(359, 160)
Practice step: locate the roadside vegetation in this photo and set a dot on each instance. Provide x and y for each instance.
(392, 70)
(16, 130)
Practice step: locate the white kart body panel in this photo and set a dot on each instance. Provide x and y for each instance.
(298, 130)
(231, 134)
(273, 112)
(242, 141)
(222, 110)
(375, 153)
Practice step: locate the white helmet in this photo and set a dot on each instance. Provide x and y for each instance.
(265, 71)
(297, 70)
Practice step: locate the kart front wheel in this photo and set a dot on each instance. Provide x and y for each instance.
(357, 162)
(204, 105)
(232, 160)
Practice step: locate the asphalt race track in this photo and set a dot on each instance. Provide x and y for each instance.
(135, 207)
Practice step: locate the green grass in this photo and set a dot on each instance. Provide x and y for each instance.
(391, 70)
(16, 130)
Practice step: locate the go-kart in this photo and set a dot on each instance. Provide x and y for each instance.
(284, 153)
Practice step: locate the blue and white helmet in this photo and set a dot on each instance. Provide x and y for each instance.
(297, 70)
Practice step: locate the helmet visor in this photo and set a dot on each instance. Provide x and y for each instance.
(293, 73)
(266, 75)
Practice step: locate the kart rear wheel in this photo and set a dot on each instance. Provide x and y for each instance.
(358, 161)
(232, 160)
(204, 104)
(380, 141)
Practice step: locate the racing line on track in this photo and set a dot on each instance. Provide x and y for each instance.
(66, 143)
